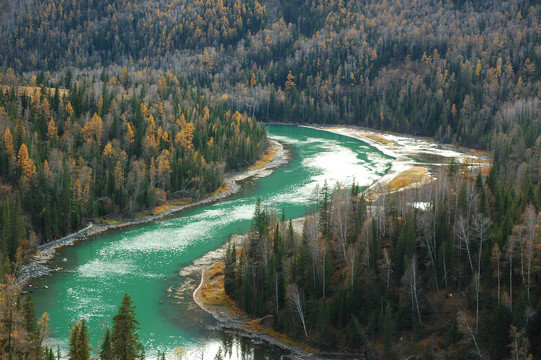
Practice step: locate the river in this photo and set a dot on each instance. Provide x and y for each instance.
(145, 260)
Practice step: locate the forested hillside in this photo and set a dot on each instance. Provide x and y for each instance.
(114, 107)
(456, 276)
(114, 145)
(459, 71)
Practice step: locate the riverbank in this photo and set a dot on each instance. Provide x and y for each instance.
(210, 296)
(418, 162)
(276, 156)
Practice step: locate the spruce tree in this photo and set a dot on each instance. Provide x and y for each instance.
(106, 352)
(83, 344)
(79, 346)
(73, 341)
(29, 314)
(388, 332)
(125, 339)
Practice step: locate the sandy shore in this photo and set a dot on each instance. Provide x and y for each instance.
(38, 262)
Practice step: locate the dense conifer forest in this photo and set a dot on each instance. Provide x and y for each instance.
(111, 108)
(113, 146)
(458, 277)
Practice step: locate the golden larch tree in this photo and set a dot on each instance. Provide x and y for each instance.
(290, 84)
(25, 163)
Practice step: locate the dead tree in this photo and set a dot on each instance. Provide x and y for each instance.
(295, 299)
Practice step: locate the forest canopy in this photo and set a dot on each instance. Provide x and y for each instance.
(110, 108)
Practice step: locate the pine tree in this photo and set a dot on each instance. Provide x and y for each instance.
(125, 339)
(29, 314)
(106, 352)
(79, 346)
(388, 332)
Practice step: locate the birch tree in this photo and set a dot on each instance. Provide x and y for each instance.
(341, 219)
(311, 233)
(495, 257)
(530, 221)
(481, 225)
(411, 288)
(295, 300)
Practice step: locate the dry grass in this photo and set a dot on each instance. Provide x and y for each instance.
(170, 204)
(485, 170)
(415, 175)
(213, 297)
(221, 189)
(265, 159)
(377, 138)
(113, 222)
(213, 291)
(475, 152)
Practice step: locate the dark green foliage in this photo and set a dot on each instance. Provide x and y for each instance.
(125, 336)
(498, 332)
(106, 352)
(12, 228)
(114, 155)
(388, 332)
(29, 314)
(79, 345)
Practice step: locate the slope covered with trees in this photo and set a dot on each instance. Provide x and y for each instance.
(459, 277)
(113, 145)
(137, 103)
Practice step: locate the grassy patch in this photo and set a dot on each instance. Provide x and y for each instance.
(113, 221)
(171, 204)
(409, 177)
(221, 189)
(378, 138)
(213, 291)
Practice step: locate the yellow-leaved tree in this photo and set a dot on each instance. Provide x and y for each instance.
(25, 164)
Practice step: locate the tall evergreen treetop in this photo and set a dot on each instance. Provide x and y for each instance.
(125, 339)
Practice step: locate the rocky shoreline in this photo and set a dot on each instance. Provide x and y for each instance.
(37, 266)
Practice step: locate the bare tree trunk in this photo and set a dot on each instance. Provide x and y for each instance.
(352, 251)
(341, 227)
(463, 234)
(311, 228)
(414, 268)
(295, 299)
(481, 225)
(276, 282)
(498, 279)
(511, 273)
(463, 322)
(385, 265)
(428, 221)
(531, 223)
(323, 269)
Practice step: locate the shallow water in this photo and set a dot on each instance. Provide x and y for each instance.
(144, 261)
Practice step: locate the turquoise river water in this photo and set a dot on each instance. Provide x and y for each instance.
(145, 260)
